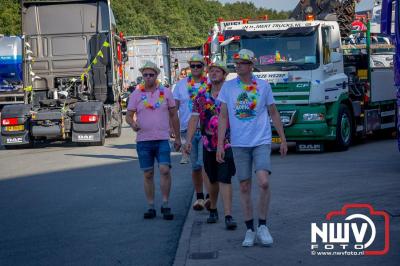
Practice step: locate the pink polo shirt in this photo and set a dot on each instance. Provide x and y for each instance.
(153, 123)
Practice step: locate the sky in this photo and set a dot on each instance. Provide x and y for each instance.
(290, 4)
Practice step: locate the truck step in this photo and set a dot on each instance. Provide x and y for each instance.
(388, 125)
(10, 102)
(388, 113)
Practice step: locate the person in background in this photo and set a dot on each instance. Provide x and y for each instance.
(185, 92)
(206, 108)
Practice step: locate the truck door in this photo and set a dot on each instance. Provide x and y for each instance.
(331, 85)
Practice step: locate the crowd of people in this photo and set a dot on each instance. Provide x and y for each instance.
(226, 131)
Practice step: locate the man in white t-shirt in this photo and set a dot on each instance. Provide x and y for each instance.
(246, 101)
(184, 93)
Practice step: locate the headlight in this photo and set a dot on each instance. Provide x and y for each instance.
(313, 117)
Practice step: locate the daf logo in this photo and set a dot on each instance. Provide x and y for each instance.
(14, 140)
(309, 147)
(85, 137)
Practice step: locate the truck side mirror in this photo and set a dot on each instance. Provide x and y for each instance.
(334, 40)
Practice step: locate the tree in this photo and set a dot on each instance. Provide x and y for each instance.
(186, 22)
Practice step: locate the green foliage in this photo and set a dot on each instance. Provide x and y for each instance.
(186, 22)
(10, 17)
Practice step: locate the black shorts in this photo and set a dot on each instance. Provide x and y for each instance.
(219, 172)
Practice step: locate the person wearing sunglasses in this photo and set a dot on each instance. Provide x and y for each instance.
(206, 108)
(150, 109)
(185, 92)
(248, 103)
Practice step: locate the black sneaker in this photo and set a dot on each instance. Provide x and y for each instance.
(167, 215)
(150, 214)
(213, 218)
(230, 223)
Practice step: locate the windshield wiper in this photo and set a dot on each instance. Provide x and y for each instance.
(292, 67)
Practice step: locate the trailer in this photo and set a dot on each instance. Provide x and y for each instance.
(11, 76)
(73, 78)
(179, 59)
(143, 48)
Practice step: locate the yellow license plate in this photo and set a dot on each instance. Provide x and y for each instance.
(15, 128)
(276, 140)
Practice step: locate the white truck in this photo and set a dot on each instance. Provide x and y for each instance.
(142, 48)
(325, 94)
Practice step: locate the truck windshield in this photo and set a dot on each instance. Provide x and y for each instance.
(278, 52)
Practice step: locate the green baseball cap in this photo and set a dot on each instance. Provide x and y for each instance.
(220, 65)
(245, 54)
(196, 58)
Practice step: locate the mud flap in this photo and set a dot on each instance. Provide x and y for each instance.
(88, 132)
(16, 139)
(86, 137)
(21, 137)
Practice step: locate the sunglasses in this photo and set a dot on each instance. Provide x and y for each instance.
(196, 66)
(150, 75)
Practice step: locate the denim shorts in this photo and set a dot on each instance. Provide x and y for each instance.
(196, 155)
(153, 149)
(246, 157)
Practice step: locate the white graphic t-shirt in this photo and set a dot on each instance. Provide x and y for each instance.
(182, 94)
(250, 125)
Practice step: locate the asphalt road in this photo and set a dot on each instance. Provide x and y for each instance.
(305, 188)
(67, 205)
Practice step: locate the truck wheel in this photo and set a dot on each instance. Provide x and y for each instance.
(102, 133)
(344, 129)
(116, 133)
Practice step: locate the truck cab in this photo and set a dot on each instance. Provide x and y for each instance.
(323, 95)
(303, 64)
(73, 76)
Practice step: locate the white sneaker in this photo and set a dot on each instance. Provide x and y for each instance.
(263, 236)
(185, 159)
(249, 238)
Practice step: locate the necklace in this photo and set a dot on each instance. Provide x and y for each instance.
(210, 104)
(146, 102)
(251, 90)
(190, 86)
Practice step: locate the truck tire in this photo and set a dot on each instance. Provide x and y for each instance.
(116, 132)
(102, 133)
(344, 129)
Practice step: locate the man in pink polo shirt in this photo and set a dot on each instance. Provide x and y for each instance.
(150, 108)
